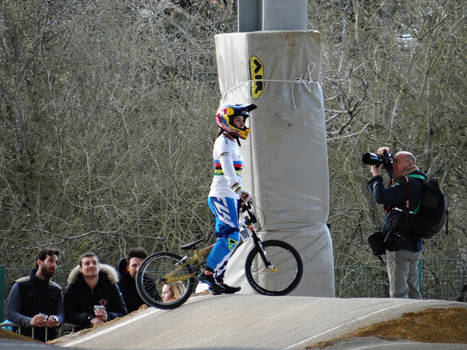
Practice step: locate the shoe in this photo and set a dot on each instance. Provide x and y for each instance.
(209, 280)
(230, 290)
(227, 289)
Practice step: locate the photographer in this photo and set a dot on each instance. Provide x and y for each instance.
(400, 199)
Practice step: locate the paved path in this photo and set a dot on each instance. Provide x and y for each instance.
(252, 322)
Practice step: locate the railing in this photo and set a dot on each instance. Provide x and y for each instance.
(63, 329)
(2, 292)
(439, 278)
(364, 281)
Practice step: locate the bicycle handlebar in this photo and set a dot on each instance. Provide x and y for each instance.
(247, 207)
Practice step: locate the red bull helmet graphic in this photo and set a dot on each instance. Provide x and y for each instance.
(226, 113)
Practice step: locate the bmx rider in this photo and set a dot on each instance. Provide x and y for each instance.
(226, 193)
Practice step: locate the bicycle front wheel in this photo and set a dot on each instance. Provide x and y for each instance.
(284, 274)
(164, 280)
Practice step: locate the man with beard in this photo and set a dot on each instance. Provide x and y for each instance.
(92, 295)
(36, 302)
(128, 268)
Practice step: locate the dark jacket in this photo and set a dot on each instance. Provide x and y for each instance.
(394, 197)
(127, 285)
(30, 296)
(80, 299)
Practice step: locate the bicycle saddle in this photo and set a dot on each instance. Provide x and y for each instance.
(191, 245)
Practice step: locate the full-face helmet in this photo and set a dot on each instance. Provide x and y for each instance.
(225, 115)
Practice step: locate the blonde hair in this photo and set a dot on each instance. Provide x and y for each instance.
(177, 289)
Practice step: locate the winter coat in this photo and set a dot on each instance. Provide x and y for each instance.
(80, 299)
(30, 296)
(127, 285)
(394, 197)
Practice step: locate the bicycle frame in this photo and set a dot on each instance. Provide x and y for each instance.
(197, 257)
(163, 268)
(194, 261)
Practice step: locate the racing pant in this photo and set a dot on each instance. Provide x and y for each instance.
(225, 210)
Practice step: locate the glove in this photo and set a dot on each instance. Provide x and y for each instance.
(244, 195)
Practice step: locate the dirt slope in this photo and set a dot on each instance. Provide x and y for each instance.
(428, 326)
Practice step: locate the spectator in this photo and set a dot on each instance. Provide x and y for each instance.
(403, 250)
(128, 268)
(172, 291)
(36, 301)
(92, 295)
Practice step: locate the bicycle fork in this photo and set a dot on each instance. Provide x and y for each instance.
(262, 251)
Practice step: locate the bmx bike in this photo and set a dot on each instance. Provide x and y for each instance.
(272, 267)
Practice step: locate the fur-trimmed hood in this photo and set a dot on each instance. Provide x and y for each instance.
(108, 270)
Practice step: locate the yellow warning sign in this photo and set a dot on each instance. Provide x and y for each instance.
(256, 76)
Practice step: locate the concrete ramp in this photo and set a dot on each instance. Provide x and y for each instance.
(246, 322)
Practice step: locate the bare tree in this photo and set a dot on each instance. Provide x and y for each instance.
(107, 118)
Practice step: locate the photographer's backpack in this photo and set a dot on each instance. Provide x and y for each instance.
(432, 212)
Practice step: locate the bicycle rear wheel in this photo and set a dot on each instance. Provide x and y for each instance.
(164, 271)
(281, 280)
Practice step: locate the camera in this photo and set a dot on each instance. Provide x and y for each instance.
(375, 159)
(393, 241)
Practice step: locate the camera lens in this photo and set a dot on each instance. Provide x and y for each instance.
(371, 159)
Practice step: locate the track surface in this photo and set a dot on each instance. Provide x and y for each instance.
(255, 322)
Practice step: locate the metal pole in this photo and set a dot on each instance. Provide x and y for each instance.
(263, 15)
(420, 275)
(2, 293)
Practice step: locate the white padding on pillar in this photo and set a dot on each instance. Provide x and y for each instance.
(286, 155)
